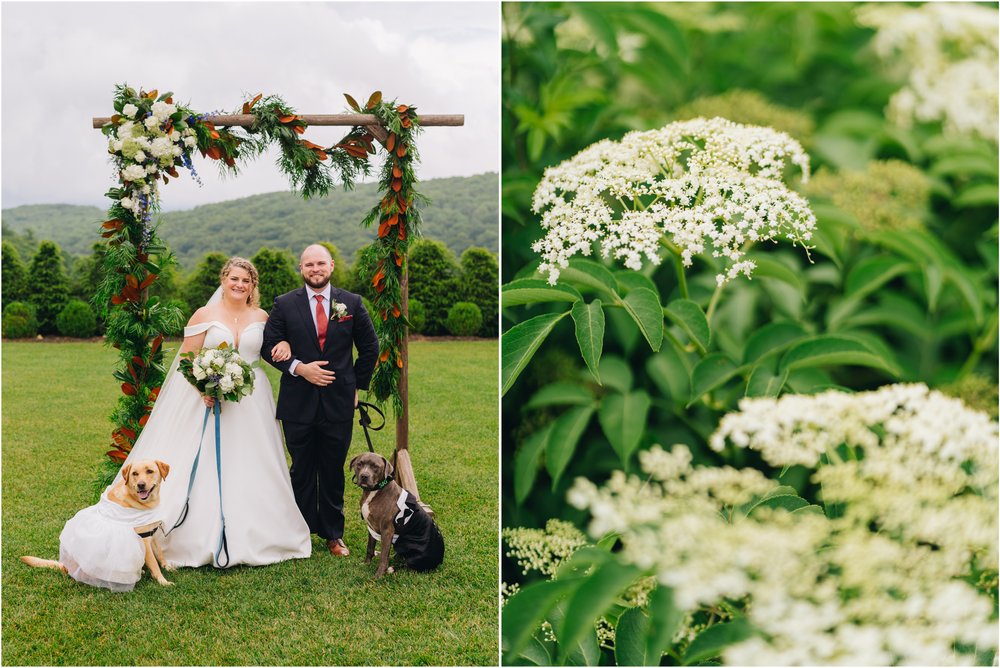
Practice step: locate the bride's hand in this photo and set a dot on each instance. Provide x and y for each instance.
(281, 351)
(209, 401)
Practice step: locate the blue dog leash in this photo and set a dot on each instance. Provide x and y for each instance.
(223, 543)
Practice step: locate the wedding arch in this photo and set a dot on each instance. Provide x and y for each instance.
(150, 138)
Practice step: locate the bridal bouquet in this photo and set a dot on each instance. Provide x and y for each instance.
(219, 373)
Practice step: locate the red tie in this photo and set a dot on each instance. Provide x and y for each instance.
(320, 321)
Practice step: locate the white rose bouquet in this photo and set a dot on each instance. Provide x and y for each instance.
(219, 373)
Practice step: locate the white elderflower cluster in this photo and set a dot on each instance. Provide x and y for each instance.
(948, 52)
(543, 550)
(702, 185)
(889, 577)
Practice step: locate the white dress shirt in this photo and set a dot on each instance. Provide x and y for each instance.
(311, 295)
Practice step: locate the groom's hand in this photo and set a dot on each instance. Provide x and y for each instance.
(315, 373)
(355, 398)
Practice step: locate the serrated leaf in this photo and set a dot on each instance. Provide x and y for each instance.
(768, 267)
(687, 315)
(623, 419)
(830, 350)
(630, 280)
(765, 382)
(533, 291)
(630, 639)
(872, 273)
(665, 618)
(585, 651)
(598, 591)
(644, 307)
(560, 393)
(782, 496)
(670, 373)
(519, 344)
(709, 373)
(979, 194)
(589, 321)
(770, 338)
(591, 274)
(526, 463)
(563, 439)
(525, 611)
(712, 641)
(616, 373)
(811, 509)
(535, 653)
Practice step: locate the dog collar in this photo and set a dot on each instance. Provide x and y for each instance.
(384, 482)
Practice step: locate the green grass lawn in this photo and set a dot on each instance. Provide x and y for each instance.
(316, 611)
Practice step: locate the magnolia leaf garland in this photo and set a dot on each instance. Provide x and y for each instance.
(150, 138)
(398, 217)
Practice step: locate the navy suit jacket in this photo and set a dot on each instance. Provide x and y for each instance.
(291, 320)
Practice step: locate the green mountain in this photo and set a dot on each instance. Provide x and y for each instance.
(464, 211)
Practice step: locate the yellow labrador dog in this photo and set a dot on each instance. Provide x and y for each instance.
(106, 545)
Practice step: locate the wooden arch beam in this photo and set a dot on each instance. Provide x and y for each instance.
(246, 120)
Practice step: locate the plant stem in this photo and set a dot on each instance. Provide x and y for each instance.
(678, 266)
(713, 303)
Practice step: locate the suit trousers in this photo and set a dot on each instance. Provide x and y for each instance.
(319, 450)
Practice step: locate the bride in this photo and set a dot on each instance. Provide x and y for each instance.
(262, 523)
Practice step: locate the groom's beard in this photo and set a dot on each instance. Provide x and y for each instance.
(317, 283)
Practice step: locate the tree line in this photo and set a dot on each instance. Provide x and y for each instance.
(49, 292)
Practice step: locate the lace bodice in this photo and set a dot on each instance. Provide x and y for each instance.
(251, 338)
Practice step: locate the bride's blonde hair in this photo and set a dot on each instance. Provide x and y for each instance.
(246, 265)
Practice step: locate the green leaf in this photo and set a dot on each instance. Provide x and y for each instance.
(969, 290)
(525, 611)
(563, 439)
(966, 165)
(623, 419)
(712, 641)
(665, 619)
(770, 338)
(629, 280)
(765, 382)
(670, 373)
(533, 290)
(979, 194)
(589, 321)
(831, 350)
(617, 374)
(933, 282)
(165, 96)
(768, 267)
(519, 344)
(644, 307)
(536, 653)
(585, 651)
(526, 463)
(591, 274)
(782, 496)
(811, 509)
(630, 639)
(709, 373)
(872, 273)
(560, 393)
(591, 599)
(687, 315)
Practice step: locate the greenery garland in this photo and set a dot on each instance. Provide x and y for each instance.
(150, 138)
(398, 217)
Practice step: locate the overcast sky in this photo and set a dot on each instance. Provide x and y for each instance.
(61, 61)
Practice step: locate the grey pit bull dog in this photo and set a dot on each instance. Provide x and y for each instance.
(395, 517)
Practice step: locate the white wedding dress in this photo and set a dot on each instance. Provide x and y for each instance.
(263, 524)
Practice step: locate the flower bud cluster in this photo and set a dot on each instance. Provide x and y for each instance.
(701, 185)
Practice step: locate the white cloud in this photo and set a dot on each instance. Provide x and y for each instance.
(60, 62)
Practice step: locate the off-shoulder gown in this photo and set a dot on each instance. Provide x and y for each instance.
(263, 524)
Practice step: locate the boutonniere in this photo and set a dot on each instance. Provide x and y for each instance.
(338, 312)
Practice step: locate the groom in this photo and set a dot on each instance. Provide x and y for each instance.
(319, 387)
